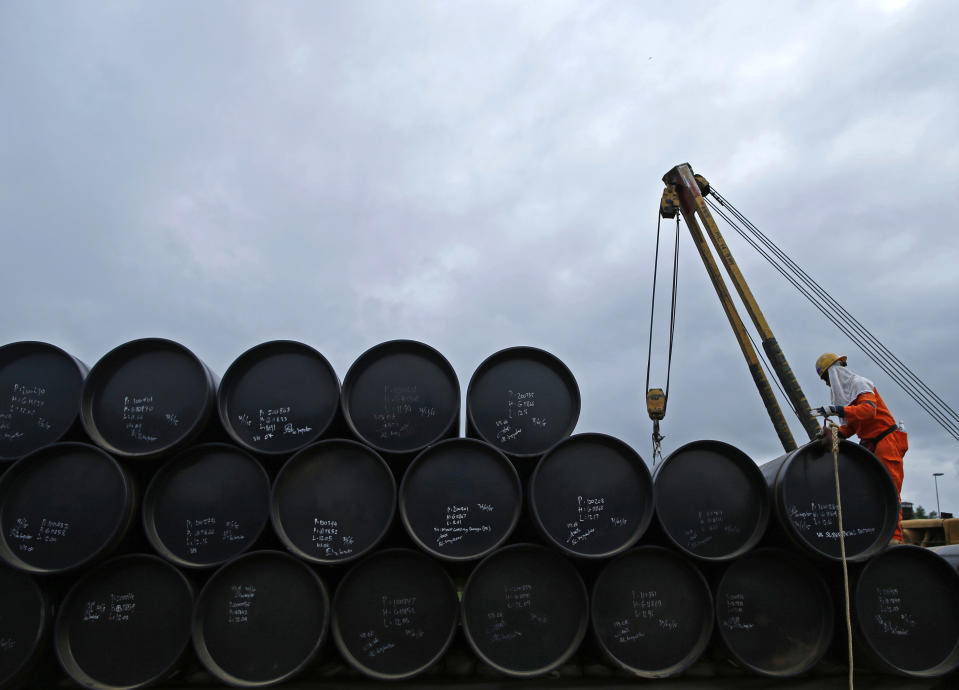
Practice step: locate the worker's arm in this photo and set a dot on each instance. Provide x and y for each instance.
(862, 409)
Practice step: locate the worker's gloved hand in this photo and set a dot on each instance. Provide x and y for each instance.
(824, 436)
(830, 411)
(825, 440)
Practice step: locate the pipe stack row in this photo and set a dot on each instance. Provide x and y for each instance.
(161, 525)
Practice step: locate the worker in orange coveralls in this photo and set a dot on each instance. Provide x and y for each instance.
(856, 401)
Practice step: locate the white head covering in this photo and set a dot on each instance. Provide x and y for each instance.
(845, 386)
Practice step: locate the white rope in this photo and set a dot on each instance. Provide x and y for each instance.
(842, 546)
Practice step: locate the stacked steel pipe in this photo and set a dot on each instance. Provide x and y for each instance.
(159, 526)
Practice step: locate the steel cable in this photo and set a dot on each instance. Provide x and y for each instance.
(921, 396)
(851, 327)
(930, 408)
(652, 308)
(809, 281)
(672, 311)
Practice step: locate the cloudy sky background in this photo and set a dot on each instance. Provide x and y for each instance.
(482, 175)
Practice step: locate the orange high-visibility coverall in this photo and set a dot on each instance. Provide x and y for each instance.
(868, 418)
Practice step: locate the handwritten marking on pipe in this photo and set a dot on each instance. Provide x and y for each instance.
(48, 532)
(117, 608)
(23, 414)
(518, 617)
(623, 632)
(371, 645)
(518, 417)
(459, 525)
(328, 538)
(240, 603)
(202, 532)
(404, 408)
(589, 520)
(399, 621)
(822, 521)
(893, 618)
(735, 613)
(271, 422)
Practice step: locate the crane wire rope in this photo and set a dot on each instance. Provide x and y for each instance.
(753, 244)
(657, 438)
(928, 406)
(809, 281)
(652, 308)
(672, 308)
(890, 361)
(934, 405)
(852, 328)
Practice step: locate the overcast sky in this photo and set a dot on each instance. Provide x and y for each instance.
(482, 175)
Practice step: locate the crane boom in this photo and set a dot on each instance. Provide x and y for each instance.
(684, 192)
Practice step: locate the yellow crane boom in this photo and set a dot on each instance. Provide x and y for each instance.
(684, 194)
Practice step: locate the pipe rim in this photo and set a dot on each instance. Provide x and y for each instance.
(82, 370)
(883, 537)
(277, 522)
(442, 363)
(578, 637)
(643, 523)
(421, 458)
(197, 620)
(706, 634)
(543, 356)
(946, 665)
(762, 492)
(88, 393)
(828, 627)
(148, 508)
(233, 374)
(61, 642)
(337, 634)
(122, 524)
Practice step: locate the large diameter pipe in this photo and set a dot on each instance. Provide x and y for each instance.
(522, 400)
(591, 496)
(905, 604)
(525, 610)
(40, 393)
(278, 397)
(652, 612)
(260, 619)
(803, 495)
(394, 614)
(711, 500)
(400, 397)
(125, 624)
(333, 502)
(62, 507)
(460, 499)
(774, 613)
(207, 505)
(147, 398)
(26, 615)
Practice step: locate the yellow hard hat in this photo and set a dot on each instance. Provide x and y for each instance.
(826, 360)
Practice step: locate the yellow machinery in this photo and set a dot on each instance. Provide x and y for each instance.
(684, 194)
(691, 197)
